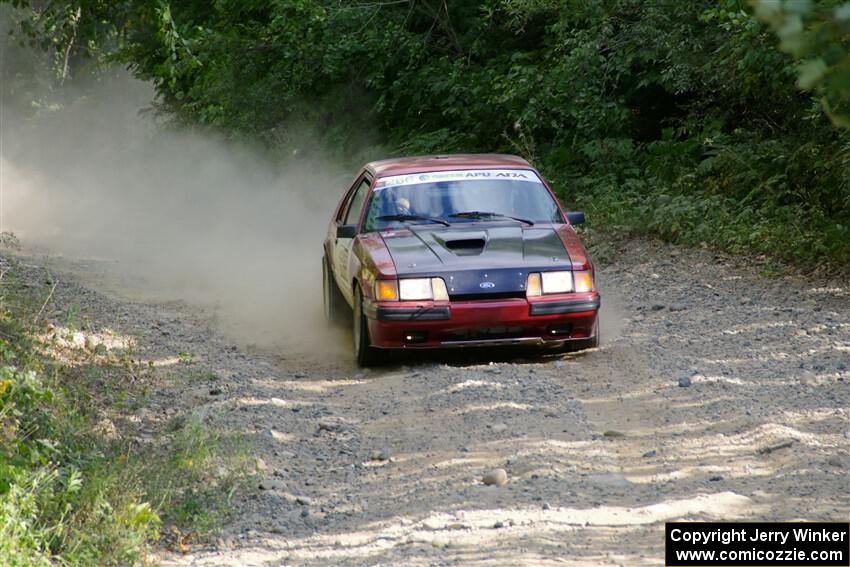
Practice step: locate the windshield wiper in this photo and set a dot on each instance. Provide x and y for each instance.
(483, 215)
(413, 218)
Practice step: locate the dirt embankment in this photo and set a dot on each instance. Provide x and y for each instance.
(717, 394)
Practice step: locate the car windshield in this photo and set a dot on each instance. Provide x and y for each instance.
(460, 197)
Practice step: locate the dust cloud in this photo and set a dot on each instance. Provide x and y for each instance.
(611, 316)
(174, 215)
(157, 215)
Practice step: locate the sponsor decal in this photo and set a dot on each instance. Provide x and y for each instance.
(463, 175)
(392, 233)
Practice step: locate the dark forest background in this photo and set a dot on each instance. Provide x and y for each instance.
(707, 121)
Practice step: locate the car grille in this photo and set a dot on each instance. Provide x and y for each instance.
(487, 296)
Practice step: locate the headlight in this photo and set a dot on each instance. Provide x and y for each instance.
(412, 289)
(544, 283)
(557, 282)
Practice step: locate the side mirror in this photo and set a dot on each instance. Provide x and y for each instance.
(575, 218)
(346, 231)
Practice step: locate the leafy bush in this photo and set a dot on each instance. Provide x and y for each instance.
(61, 497)
(70, 496)
(694, 103)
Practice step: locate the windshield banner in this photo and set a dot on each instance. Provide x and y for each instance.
(463, 175)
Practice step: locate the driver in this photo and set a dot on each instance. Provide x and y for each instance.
(402, 205)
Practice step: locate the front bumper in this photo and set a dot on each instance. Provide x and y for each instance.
(497, 322)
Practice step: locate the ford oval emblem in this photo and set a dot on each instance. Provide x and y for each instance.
(486, 285)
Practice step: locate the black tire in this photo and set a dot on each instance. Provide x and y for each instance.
(583, 344)
(332, 300)
(364, 352)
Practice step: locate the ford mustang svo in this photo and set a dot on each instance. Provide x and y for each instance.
(457, 251)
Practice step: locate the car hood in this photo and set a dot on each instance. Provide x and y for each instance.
(477, 258)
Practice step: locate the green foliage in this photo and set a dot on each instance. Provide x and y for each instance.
(187, 498)
(61, 496)
(619, 101)
(69, 495)
(816, 35)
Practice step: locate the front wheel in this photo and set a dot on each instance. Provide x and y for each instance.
(364, 352)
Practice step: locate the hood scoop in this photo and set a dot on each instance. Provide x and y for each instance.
(463, 243)
(431, 250)
(468, 244)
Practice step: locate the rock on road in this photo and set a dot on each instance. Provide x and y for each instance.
(716, 395)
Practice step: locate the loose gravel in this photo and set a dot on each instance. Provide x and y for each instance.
(717, 394)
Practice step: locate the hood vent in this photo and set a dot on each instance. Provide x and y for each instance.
(467, 244)
(466, 247)
(463, 243)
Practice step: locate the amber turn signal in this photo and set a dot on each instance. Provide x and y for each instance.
(583, 281)
(534, 287)
(386, 290)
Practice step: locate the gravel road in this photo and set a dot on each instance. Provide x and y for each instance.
(716, 395)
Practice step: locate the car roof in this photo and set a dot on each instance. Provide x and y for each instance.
(420, 164)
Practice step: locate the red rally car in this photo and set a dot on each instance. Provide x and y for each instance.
(457, 251)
